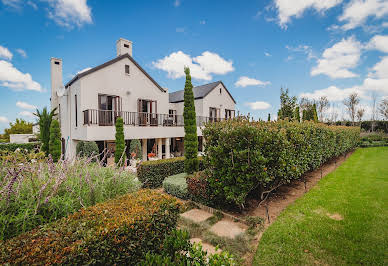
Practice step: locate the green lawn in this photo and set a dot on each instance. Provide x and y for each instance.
(305, 234)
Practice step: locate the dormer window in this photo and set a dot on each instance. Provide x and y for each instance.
(127, 69)
(126, 45)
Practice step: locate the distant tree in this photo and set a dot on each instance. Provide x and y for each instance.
(55, 140)
(374, 110)
(383, 109)
(304, 115)
(191, 139)
(269, 118)
(297, 114)
(20, 126)
(314, 113)
(322, 106)
(351, 103)
(44, 121)
(120, 142)
(287, 105)
(135, 147)
(360, 114)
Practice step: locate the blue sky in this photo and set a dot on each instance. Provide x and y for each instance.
(312, 47)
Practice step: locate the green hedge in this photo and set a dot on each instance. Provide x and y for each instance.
(176, 185)
(13, 146)
(119, 231)
(198, 189)
(152, 173)
(245, 157)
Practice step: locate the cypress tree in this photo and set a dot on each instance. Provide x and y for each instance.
(269, 117)
(314, 113)
(120, 142)
(191, 138)
(304, 115)
(297, 114)
(55, 140)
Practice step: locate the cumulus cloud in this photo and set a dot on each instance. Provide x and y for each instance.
(287, 9)
(27, 114)
(378, 42)
(5, 53)
(356, 12)
(246, 81)
(3, 119)
(333, 93)
(380, 70)
(12, 78)
(25, 105)
(201, 67)
(258, 105)
(338, 59)
(21, 52)
(70, 13)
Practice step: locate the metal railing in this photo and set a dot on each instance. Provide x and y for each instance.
(108, 118)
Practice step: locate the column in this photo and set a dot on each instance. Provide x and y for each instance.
(167, 147)
(144, 149)
(160, 143)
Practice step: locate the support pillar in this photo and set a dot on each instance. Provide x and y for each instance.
(144, 149)
(160, 148)
(167, 147)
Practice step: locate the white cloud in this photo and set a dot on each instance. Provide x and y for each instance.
(22, 52)
(12, 3)
(12, 78)
(333, 93)
(338, 59)
(267, 54)
(356, 12)
(201, 67)
(177, 3)
(25, 105)
(295, 8)
(27, 114)
(3, 119)
(306, 49)
(380, 70)
(378, 42)
(68, 13)
(246, 81)
(32, 4)
(5, 53)
(258, 105)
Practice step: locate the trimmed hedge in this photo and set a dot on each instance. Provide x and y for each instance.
(119, 231)
(176, 185)
(245, 157)
(152, 173)
(32, 146)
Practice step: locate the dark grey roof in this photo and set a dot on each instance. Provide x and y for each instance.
(82, 74)
(199, 92)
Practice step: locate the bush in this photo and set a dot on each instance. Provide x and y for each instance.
(37, 193)
(198, 189)
(135, 148)
(177, 250)
(87, 149)
(152, 173)
(119, 231)
(32, 146)
(176, 185)
(378, 126)
(245, 157)
(55, 141)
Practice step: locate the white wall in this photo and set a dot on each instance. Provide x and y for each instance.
(216, 100)
(20, 138)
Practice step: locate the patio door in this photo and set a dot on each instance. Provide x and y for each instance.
(147, 110)
(214, 114)
(109, 107)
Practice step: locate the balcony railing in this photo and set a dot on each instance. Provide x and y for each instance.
(108, 118)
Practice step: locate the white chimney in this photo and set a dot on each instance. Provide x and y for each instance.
(123, 46)
(56, 80)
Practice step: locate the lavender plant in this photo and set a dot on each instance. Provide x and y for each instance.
(34, 192)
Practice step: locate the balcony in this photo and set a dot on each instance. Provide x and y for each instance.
(108, 118)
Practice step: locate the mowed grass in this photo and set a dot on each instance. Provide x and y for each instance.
(357, 192)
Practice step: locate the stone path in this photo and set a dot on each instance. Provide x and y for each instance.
(223, 228)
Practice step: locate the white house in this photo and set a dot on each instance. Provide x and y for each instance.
(89, 103)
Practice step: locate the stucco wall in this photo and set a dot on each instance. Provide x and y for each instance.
(216, 99)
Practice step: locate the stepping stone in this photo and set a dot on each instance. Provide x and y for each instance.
(226, 228)
(196, 215)
(205, 246)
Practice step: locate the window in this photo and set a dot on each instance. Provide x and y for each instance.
(220, 90)
(171, 113)
(126, 45)
(76, 111)
(56, 62)
(127, 69)
(229, 114)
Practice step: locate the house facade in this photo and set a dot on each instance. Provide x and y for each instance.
(89, 104)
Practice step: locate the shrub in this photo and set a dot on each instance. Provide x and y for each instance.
(378, 126)
(176, 185)
(33, 194)
(198, 189)
(245, 157)
(32, 146)
(119, 231)
(135, 148)
(152, 173)
(177, 250)
(44, 119)
(55, 141)
(120, 142)
(87, 148)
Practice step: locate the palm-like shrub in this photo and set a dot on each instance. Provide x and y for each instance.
(44, 120)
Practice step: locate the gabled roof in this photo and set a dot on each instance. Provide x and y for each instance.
(199, 92)
(85, 73)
